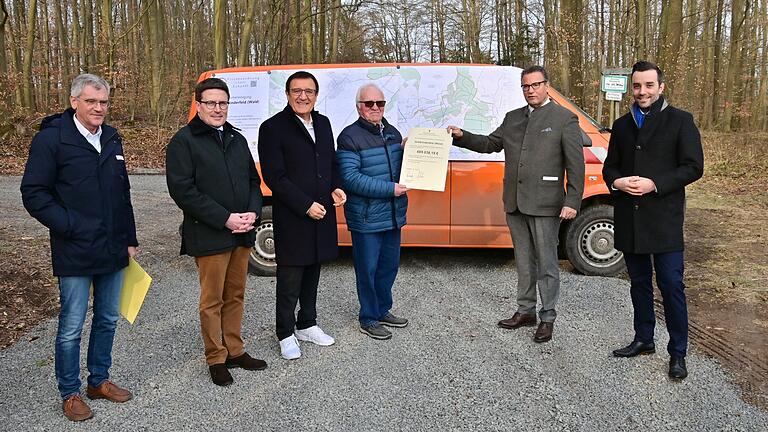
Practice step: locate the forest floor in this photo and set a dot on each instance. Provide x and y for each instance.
(726, 255)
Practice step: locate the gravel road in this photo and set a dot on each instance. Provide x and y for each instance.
(450, 369)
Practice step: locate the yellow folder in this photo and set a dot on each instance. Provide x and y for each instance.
(135, 287)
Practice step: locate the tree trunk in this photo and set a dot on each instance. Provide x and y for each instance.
(107, 37)
(738, 17)
(304, 26)
(3, 20)
(29, 48)
(705, 71)
(333, 49)
(219, 34)
(641, 41)
(245, 35)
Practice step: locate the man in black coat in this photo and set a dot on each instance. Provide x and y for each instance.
(654, 152)
(212, 177)
(76, 184)
(297, 160)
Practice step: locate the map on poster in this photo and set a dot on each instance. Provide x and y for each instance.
(475, 98)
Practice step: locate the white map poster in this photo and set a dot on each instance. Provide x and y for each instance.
(475, 98)
(248, 104)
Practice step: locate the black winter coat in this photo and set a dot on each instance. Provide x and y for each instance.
(667, 149)
(81, 195)
(209, 180)
(300, 171)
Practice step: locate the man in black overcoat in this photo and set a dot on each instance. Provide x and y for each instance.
(297, 160)
(212, 177)
(654, 152)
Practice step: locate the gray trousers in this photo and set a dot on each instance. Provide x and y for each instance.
(535, 241)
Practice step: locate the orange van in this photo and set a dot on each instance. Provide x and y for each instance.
(469, 212)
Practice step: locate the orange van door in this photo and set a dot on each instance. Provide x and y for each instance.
(477, 213)
(428, 217)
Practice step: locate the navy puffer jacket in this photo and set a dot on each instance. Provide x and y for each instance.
(369, 161)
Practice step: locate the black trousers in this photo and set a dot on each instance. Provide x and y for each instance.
(296, 284)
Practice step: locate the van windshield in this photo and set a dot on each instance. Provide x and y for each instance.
(594, 122)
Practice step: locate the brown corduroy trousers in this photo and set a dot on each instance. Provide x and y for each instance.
(222, 288)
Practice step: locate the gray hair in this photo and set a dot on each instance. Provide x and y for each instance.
(365, 87)
(82, 80)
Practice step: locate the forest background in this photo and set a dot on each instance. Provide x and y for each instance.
(713, 51)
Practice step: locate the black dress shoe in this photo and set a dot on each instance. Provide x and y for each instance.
(246, 362)
(677, 368)
(635, 348)
(220, 375)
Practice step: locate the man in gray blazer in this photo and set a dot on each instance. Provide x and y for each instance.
(542, 144)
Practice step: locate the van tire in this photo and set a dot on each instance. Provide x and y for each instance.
(261, 261)
(589, 242)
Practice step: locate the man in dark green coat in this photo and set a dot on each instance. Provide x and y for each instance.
(213, 179)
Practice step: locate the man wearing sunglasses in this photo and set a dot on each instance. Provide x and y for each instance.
(76, 184)
(213, 179)
(370, 153)
(542, 145)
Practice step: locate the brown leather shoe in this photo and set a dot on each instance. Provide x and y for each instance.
(108, 390)
(75, 409)
(544, 332)
(518, 320)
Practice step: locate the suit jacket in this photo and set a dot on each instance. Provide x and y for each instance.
(667, 149)
(539, 147)
(209, 180)
(300, 171)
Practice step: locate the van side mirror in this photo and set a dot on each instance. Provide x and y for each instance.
(586, 141)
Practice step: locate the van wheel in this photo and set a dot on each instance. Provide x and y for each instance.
(262, 259)
(589, 242)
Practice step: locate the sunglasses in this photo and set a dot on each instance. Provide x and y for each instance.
(370, 104)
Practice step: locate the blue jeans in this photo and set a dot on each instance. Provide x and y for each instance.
(74, 292)
(377, 258)
(669, 278)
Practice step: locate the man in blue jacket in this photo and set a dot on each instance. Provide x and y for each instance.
(75, 183)
(370, 153)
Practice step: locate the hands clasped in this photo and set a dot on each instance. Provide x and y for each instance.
(241, 222)
(635, 185)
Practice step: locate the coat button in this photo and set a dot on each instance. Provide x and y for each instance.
(637, 207)
(319, 176)
(317, 154)
(638, 148)
(520, 181)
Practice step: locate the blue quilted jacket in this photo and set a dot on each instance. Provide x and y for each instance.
(369, 162)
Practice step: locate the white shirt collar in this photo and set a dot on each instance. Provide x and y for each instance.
(85, 132)
(308, 126)
(93, 139)
(530, 108)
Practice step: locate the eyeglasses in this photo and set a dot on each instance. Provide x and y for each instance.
(534, 86)
(223, 105)
(93, 102)
(370, 104)
(297, 92)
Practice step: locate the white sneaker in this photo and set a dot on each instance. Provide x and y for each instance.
(316, 335)
(289, 348)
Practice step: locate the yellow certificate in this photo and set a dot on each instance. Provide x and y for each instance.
(135, 286)
(425, 159)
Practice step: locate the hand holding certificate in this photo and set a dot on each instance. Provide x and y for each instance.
(425, 159)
